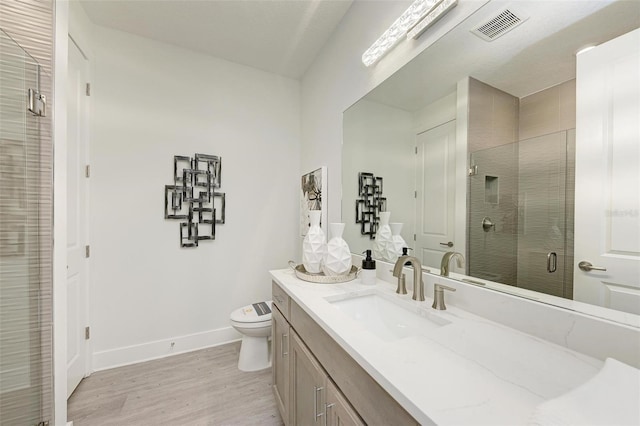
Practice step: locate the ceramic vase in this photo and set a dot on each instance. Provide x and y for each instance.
(398, 241)
(314, 245)
(337, 259)
(383, 247)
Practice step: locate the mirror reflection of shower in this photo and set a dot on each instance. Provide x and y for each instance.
(521, 214)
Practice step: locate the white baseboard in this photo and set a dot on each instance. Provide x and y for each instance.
(162, 348)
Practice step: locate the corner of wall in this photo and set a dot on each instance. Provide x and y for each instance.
(61, 29)
(462, 159)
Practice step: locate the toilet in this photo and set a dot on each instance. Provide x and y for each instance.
(254, 323)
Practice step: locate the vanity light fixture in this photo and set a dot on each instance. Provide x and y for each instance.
(437, 12)
(417, 11)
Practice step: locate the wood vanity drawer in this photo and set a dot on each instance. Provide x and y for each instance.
(370, 400)
(280, 299)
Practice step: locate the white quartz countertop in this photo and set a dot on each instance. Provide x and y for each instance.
(469, 371)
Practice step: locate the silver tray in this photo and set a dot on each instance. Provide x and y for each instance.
(321, 278)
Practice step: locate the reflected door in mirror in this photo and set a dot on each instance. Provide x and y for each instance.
(435, 196)
(608, 192)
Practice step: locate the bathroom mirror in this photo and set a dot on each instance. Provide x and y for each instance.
(497, 186)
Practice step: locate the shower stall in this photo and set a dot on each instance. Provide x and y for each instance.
(520, 218)
(25, 239)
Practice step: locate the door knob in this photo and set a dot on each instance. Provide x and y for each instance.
(449, 244)
(588, 267)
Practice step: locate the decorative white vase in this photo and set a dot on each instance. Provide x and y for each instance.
(337, 259)
(398, 241)
(314, 244)
(383, 247)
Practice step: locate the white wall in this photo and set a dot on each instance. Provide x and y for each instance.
(337, 79)
(151, 101)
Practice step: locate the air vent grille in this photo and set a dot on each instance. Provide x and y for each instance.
(499, 25)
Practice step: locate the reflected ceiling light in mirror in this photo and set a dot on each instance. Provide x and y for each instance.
(437, 12)
(417, 11)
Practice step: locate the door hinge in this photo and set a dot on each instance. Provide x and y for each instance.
(415, 194)
(87, 171)
(414, 237)
(416, 150)
(37, 103)
(87, 333)
(88, 89)
(87, 251)
(473, 170)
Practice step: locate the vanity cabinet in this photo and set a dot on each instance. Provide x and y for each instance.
(307, 384)
(316, 382)
(280, 344)
(338, 410)
(315, 399)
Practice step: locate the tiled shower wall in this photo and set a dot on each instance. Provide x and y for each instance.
(543, 116)
(515, 250)
(493, 122)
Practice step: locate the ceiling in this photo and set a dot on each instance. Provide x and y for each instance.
(278, 36)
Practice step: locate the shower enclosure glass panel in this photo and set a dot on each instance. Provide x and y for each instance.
(25, 298)
(521, 214)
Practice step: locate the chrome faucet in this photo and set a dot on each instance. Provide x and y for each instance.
(418, 285)
(446, 260)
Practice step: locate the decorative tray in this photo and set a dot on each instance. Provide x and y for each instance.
(321, 278)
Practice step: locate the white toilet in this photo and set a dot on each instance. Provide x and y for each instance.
(254, 323)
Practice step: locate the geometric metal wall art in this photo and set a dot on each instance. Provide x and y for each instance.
(370, 204)
(193, 198)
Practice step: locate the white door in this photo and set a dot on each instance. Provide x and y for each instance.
(435, 198)
(607, 220)
(76, 218)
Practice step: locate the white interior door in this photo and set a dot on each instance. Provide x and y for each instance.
(76, 218)
(607, 220)
(435, 198)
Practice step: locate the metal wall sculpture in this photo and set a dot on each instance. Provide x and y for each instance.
(193, 197)
(370, 204)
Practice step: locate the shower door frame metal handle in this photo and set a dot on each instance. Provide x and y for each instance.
(552, 262)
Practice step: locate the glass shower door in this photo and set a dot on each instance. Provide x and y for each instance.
(521, 214)
(25, 286)
(542, 231)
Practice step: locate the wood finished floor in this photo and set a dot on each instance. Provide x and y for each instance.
(203, 387)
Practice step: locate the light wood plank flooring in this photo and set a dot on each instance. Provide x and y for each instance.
(203, 387)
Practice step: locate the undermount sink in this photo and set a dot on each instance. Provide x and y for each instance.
(389, 317)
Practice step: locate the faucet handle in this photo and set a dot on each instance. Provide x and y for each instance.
(438, 296)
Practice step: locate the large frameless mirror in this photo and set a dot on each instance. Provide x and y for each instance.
(475, 141)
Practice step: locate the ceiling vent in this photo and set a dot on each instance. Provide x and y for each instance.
(499, 25)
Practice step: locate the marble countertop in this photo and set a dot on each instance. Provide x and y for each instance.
(469, 371)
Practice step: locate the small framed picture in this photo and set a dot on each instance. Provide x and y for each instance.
(313, 196)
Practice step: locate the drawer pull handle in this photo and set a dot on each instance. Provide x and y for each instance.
(284, 353)
(326, 414)
(317, 390)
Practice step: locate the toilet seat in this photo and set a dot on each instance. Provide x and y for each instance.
(250, 317)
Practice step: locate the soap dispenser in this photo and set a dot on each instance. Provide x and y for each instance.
(368, 273)
(405, 253)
